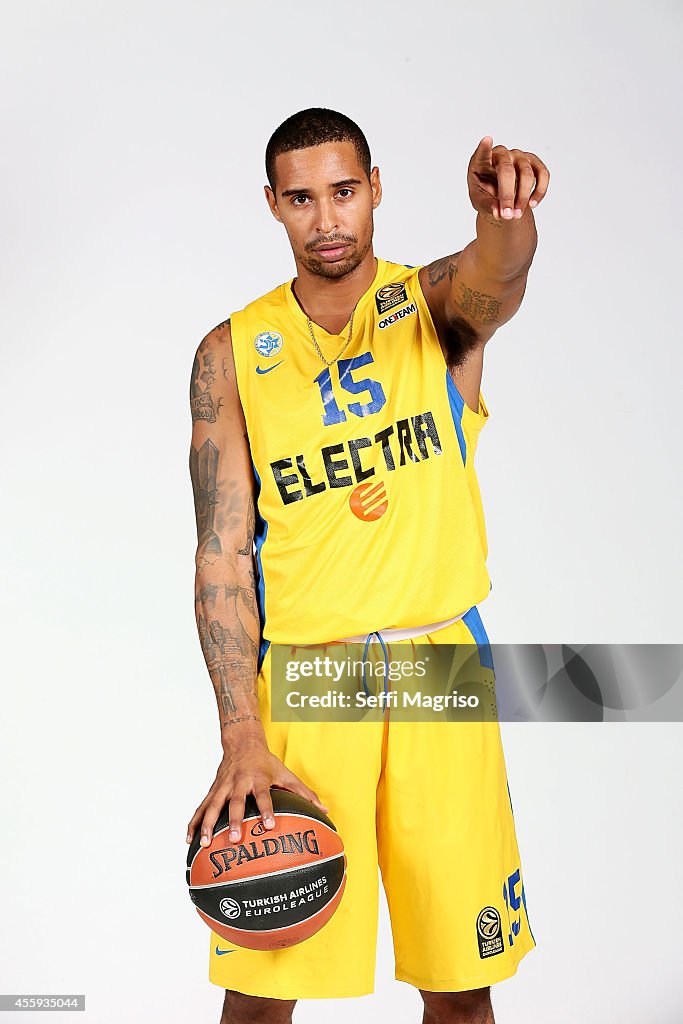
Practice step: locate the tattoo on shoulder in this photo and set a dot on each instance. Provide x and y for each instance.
(203, 404)
(225, 361)
(439, 269)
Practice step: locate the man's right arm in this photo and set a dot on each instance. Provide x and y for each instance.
(225, 592)
(225, 581)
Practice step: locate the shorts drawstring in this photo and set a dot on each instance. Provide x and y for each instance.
(377, 633)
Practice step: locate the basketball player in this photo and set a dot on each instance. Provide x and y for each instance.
(335, 423)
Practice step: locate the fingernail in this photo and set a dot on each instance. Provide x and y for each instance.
(518, 212)
(188, 838)
(533, 202)
(269, 823)
(234, 834)
(507, 213)
(204, 840)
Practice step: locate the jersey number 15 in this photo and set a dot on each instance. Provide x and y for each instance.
(333, 414)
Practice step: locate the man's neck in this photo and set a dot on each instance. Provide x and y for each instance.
(329, 302)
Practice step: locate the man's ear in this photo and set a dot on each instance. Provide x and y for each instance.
(376, 186)
(272, 202)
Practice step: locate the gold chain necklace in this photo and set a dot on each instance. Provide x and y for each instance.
(329, 362)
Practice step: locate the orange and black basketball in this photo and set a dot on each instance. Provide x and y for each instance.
(276, 887)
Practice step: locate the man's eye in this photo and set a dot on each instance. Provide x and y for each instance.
(347, 190)
(294, 200)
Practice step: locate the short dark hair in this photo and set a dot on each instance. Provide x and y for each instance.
(314, 127)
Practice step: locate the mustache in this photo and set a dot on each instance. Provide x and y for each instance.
(310, 246)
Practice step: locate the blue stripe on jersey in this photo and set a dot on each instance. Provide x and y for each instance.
(457, 402)
(527, 912)
(523, 892)
(260, 531)
(472, 620)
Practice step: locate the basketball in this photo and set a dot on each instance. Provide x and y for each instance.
(277, 886)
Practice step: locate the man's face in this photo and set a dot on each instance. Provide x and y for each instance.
(325, 201)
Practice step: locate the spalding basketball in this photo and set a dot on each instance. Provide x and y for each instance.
(277, 886)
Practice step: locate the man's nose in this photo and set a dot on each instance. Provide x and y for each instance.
(327, 217)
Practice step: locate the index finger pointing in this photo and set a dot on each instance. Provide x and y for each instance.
(483, 150)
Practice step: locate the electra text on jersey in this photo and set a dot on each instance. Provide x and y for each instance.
(293, 485)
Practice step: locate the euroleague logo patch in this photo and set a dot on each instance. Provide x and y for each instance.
(369, 501)
(268, 343)
(489, 931)
(389, 296)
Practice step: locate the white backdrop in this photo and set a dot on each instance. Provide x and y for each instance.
(133, 220)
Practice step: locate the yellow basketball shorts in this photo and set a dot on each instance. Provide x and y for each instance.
(429, 803)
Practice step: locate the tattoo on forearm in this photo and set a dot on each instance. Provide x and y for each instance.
(229, 632)
(490, 219)
(251, 522)
(227, 614)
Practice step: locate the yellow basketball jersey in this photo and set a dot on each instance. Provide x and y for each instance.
(369, 512)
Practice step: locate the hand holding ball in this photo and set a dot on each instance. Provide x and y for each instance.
(278, 886)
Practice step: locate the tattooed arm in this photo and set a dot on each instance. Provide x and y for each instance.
(225, 580)
(472, 293)
(225, 591)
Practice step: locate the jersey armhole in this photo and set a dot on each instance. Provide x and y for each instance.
(474, 420)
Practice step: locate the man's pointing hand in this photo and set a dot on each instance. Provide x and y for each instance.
(501, 181)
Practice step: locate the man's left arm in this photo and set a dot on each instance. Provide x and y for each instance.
(473, 292)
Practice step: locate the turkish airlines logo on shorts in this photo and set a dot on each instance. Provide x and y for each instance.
(489, 930)
(369, 501)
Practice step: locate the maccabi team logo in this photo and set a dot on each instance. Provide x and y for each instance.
(268, 343)
(390, 295)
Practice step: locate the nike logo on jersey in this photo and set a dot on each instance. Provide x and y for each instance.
(265, 369)
(222, 952)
